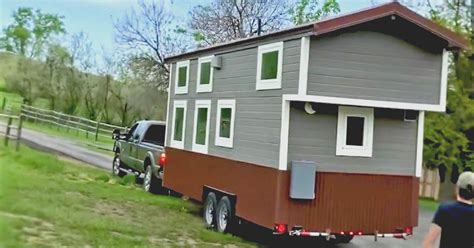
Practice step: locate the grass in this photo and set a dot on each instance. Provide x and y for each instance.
(429, 204)
(13, 101)
(48, 202)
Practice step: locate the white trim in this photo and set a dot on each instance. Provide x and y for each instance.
(419, 144)
(206, 87)
(182, 89)
(179, 104)
(444, 80)
(363, 103)
(342, 149)
(284, 132)
(168, 105)
(221, 141)
(198, 147)
(304, 63)
(268, 84)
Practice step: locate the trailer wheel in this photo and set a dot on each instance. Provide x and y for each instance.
(224, 215)
(209, 211)
(344, 239)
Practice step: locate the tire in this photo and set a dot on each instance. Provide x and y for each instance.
(224, 215)
(344, 239)
(116, 166)
(209, 210)
(150, 182)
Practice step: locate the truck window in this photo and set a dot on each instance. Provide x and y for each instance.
(131, 131)
(155, 135)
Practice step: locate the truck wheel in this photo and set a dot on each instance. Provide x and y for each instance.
(209, 211)
(150, 182)
(224, 215)
(116, 165)
(344, 239)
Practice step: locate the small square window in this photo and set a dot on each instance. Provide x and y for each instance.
(355, 131)
(178, 124)
(269, 66)
(225, 122)
(182, 77)
(205, 74)
(201, 126)
(355, 128)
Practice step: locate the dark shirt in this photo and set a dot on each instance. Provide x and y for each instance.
(456, 220)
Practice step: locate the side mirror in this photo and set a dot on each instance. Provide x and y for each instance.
(116, 134)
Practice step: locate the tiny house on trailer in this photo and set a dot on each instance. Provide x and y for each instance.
(313, 130)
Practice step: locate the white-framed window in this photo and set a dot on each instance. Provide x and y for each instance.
(225, 122)
(178, 128)
(355, 131)
(181, 77)
(269, 66)
(205, 74)
(202, 115)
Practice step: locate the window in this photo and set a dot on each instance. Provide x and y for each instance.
(155, 135)
(355, 129)
(269, 66)
(182, 77)
(205, 75)
(179, 123)
(201, 126)
(225, 123)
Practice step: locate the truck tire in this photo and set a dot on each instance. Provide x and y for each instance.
(116, 166)
(209, 210)
(224, 215)
(150, 182)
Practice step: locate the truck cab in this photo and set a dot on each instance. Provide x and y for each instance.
(140, 152)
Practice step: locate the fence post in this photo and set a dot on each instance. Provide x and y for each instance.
(4, 103)
(97, 126)
(18, 134)
(68, 123)
(7, 132)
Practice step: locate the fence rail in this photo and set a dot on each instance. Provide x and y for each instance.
(9, 127)
(92, 128)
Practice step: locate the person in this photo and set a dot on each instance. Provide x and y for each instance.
(454, 221)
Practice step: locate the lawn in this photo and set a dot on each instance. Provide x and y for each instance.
(51, 202)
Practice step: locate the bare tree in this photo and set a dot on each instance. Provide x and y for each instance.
(149, 33)
(224, 20)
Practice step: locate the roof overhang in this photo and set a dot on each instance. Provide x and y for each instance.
(453, 40)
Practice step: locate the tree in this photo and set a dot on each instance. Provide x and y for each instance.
(312, 10)
(57, 61)
(224, 20)
(149, 35)
(30, 31)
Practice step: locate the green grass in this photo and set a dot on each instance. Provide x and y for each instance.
(14, 101)
(48, 202)
(428, 204)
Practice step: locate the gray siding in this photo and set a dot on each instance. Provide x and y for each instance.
(313, 138)
(373, 66)
(258, 113)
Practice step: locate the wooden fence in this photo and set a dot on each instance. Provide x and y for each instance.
(13, 123)
(90, 128)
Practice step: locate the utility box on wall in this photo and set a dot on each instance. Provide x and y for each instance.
(303, 179)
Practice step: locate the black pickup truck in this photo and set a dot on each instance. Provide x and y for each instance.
(141, 152)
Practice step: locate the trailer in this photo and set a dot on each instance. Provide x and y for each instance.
(316, 130)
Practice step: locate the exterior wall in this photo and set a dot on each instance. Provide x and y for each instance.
(373, 66)
(258, 113)
(313, 138)
(344, 202)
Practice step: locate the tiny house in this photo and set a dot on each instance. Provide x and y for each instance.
(313, 130)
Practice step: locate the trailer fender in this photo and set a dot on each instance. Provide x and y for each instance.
(219, 194)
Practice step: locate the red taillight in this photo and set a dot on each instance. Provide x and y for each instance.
(280, 228)
(162, 159)
(351, 233)
(359, 233)
(342, 233)
(409, 230)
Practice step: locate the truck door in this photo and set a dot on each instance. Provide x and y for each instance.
(135, 160)
(126, 145)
